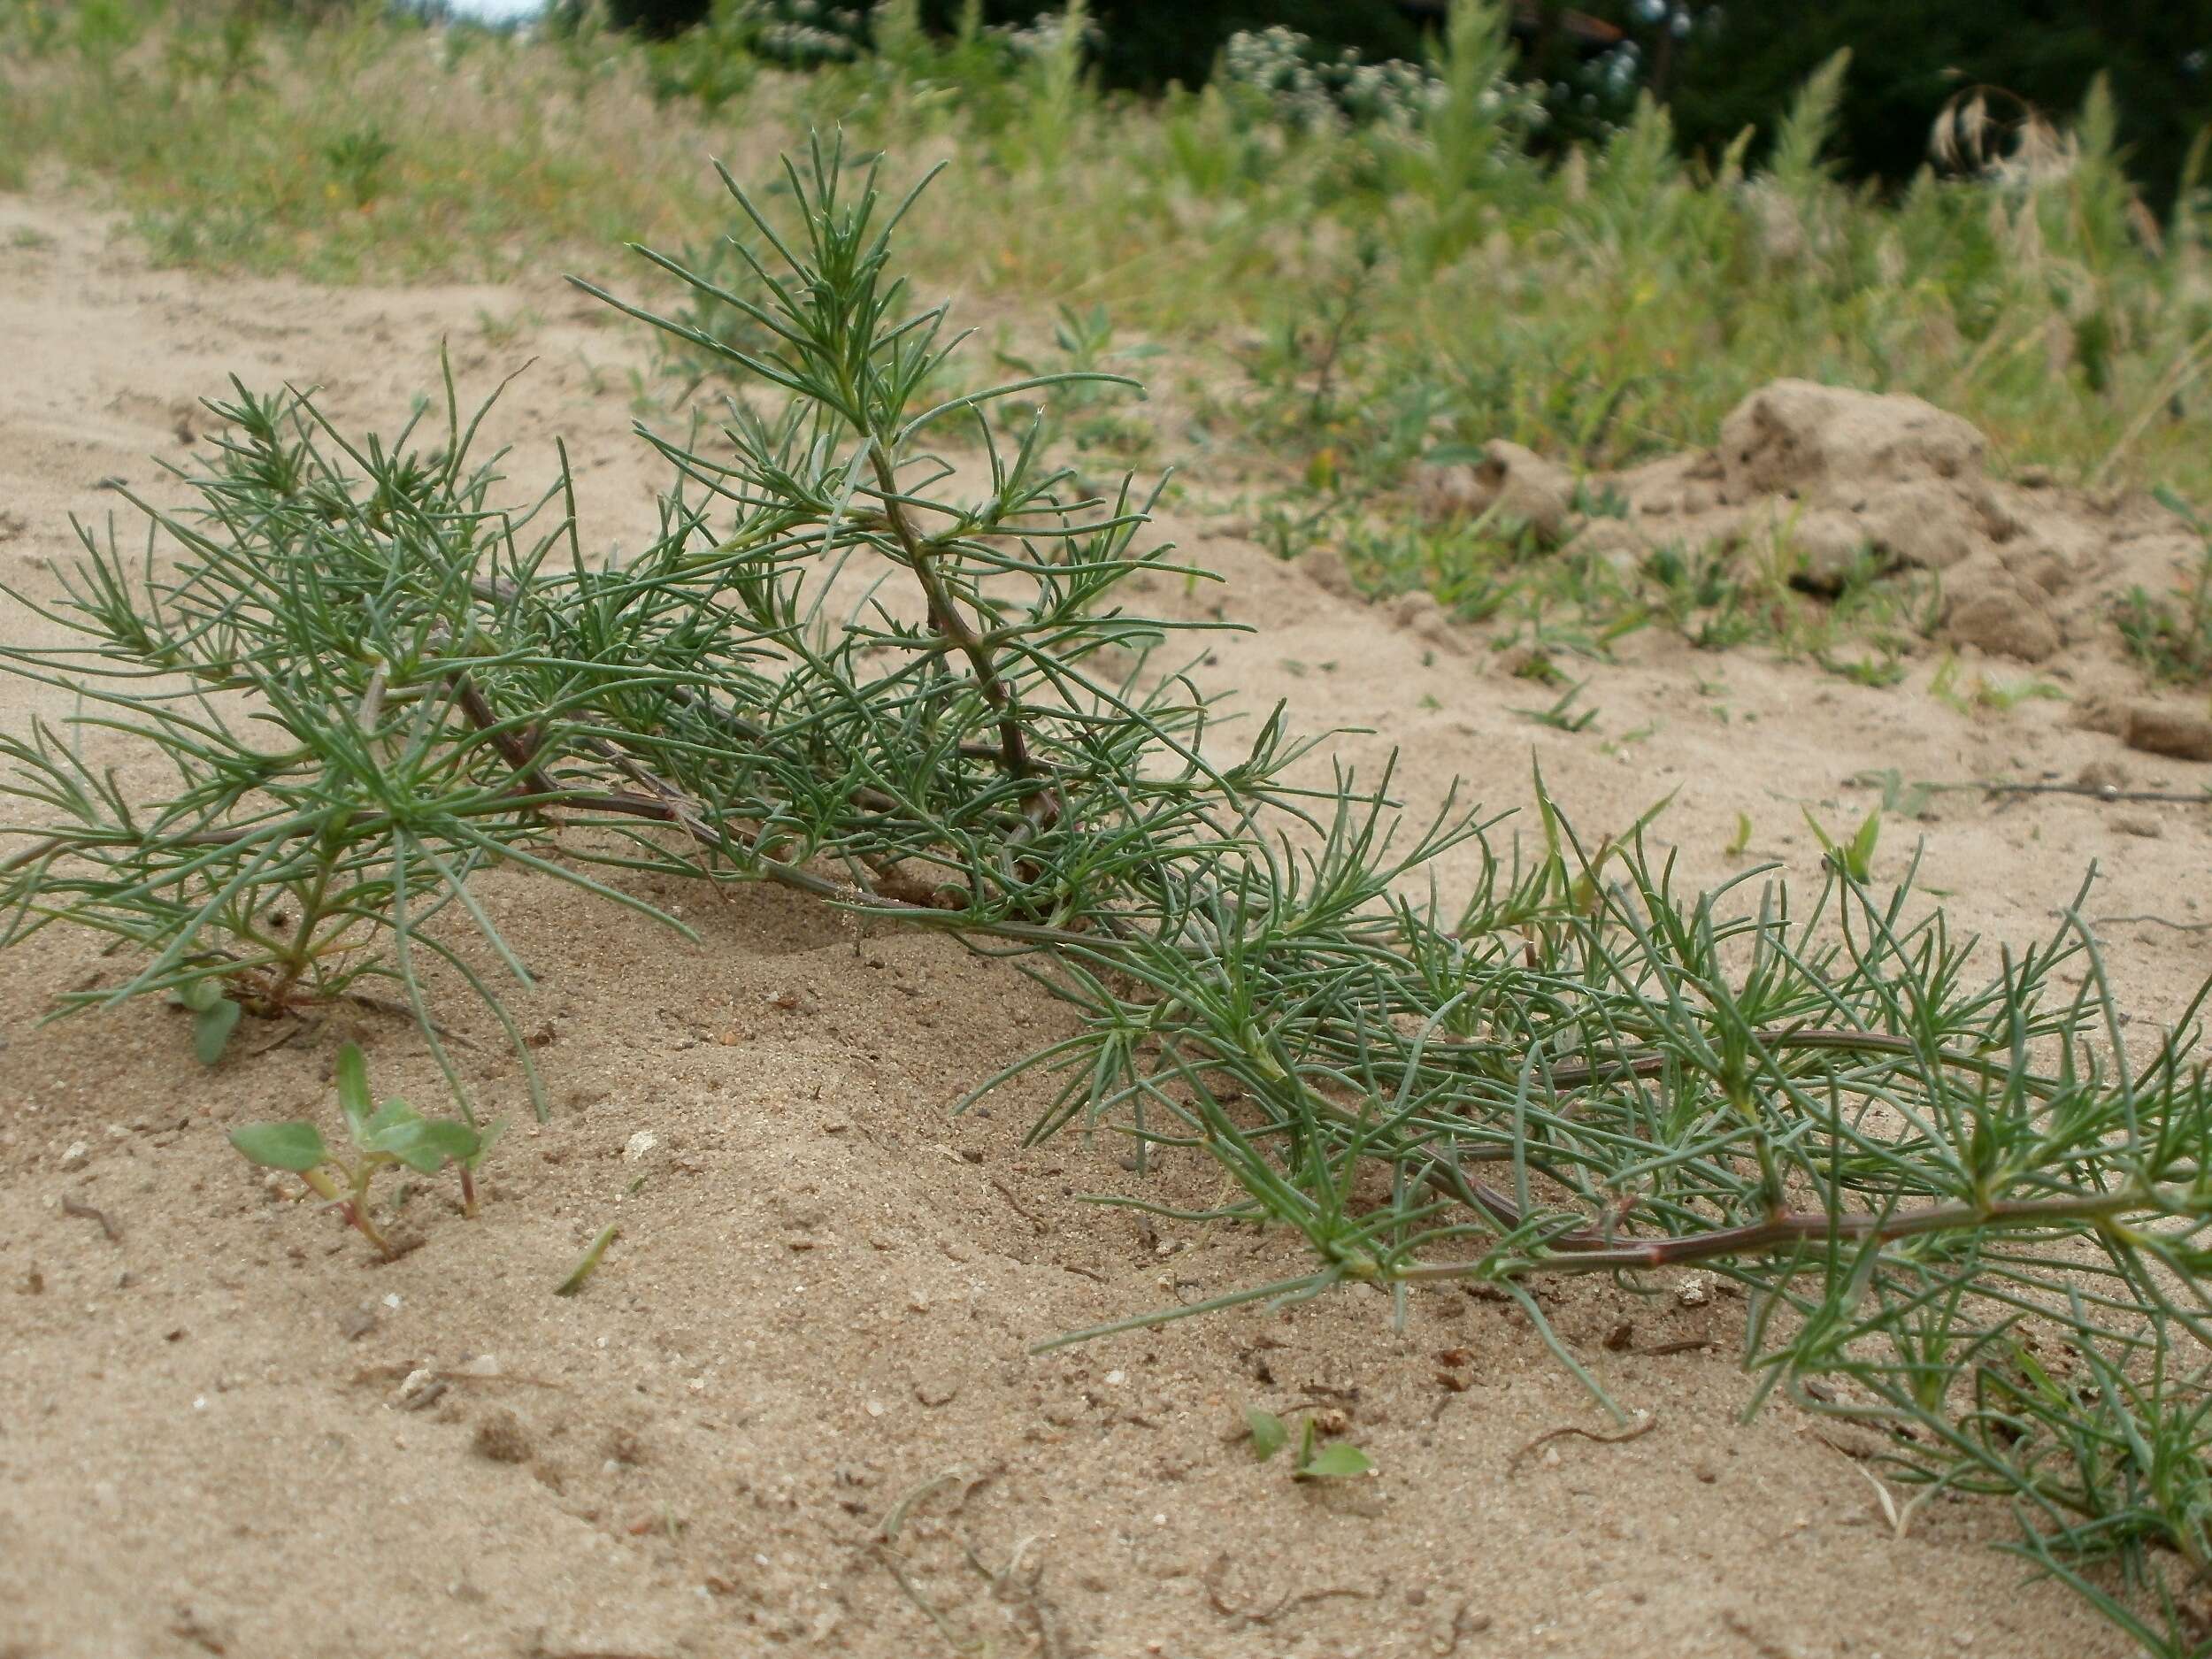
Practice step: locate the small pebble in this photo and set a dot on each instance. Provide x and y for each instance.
(74, 1158)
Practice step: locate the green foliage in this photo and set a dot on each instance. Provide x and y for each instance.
(722, 57)
(1338, 1460)
(1810, 128)
(357, 157)
(1267, 1431)
(1315, 1460)
(2172, 637)
(1414, 282)
(1558, 715)
(1918, 1170)
(1852, 859)
(214, 1017)
(394, 1135)
(1281, 75)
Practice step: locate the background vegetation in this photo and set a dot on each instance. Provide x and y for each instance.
(1716, 69)
(1339, 269)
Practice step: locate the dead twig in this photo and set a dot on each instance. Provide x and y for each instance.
(2093, 791)
(886, 1535)
(1019, 1583)
(1215, 1576)
(1641, 1426)
(71, 1207)
(290, 1035)
(388, 1373)
(400, 1011)
(1007, 1192)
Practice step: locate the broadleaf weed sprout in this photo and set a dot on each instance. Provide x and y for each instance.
(1967, 1205)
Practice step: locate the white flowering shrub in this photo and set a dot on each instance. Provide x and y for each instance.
(1281, 75)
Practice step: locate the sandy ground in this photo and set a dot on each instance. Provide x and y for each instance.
(820, 1310)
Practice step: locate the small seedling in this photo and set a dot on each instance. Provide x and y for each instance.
(589, 1263)
(1558, 717)
(1739, 842)
(1879, 671)
(1854, 859)
(1989, 694)
(393, 1134)
(1943, 684)
(1618, 747)
(1906, 799)
(214, 1017)
(2172, 637)
(1334, 1460)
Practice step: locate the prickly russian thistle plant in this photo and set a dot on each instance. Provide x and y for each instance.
(1971, 1206)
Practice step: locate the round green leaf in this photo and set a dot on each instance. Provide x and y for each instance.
(200, 995)
(1268, 1432)
(425, 1146)
(452, 1140)
(1335, 1461)
(211, 1028)
(295, 1146)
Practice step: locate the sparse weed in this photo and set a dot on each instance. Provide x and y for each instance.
(2172, 638)
(1900, 797)
(1317, 1457)
(357, 157)
(394, 1135)
(214, 1017)
(1852, 859)
(1559, 716)
(1986, 695)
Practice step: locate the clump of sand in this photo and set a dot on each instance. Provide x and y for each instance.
(1831, 481)
(1838, 477)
